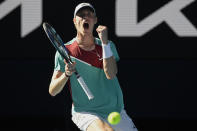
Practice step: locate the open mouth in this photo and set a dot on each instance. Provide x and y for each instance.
(85, 25)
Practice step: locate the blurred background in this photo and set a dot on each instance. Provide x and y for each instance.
(157, 69)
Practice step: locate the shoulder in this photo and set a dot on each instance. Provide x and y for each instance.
(68, 45)
(71, 45)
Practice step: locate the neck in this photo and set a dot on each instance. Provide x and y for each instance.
(85, 41)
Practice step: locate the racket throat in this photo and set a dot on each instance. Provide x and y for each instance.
(77, 75)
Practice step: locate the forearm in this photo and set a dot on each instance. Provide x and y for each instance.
(57, 84)
(110, 67)
(109, 62)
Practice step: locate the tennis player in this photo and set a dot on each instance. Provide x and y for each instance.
(95, 60)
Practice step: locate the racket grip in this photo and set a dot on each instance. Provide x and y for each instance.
(85, 88)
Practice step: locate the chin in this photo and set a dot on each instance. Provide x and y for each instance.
(87, 32)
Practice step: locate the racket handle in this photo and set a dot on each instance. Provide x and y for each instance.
(85, 88)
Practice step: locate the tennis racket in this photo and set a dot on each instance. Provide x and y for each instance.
(61, 48)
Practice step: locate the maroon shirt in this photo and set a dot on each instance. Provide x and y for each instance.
(93, 57)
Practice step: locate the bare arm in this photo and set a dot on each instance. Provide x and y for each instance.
(109, 62)
(58, 82)
(110, 67)
(59, 79)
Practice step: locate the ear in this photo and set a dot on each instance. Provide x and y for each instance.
(95, 20)
(74, 20)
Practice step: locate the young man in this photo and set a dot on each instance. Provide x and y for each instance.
(95, 60)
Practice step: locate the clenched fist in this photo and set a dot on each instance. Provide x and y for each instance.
(69, 68)
(102, 33)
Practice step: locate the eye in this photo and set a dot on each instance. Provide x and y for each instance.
(80, 14)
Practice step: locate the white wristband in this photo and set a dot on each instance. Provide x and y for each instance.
(106, 51)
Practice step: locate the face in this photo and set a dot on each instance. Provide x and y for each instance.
(84, 21)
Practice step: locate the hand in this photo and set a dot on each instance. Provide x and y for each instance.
(69, 68)
(102, 33)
